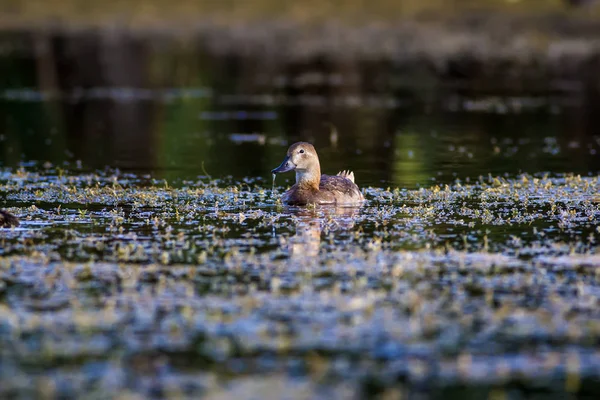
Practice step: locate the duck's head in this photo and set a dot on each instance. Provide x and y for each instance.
(301, 157)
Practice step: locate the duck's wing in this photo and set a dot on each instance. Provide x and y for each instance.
(347, 174)
(341, 188)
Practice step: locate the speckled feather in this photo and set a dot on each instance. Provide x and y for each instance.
(332, 190)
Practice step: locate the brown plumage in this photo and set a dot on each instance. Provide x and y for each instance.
(7, 220)
(313, 188)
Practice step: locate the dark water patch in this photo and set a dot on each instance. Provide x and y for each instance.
(180, 108)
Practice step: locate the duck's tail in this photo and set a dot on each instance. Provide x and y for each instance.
(347, 174)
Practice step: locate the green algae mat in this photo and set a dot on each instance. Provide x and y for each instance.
(121, 286)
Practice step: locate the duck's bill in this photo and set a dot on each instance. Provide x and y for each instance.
(286, 165)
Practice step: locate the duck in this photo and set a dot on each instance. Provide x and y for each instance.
(7, 219)
(313, 188)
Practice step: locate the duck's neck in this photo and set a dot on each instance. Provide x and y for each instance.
(310, 177)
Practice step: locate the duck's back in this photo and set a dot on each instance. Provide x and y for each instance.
(341, 188)
(338, 190)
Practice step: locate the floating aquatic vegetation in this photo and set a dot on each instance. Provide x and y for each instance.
(121, 284)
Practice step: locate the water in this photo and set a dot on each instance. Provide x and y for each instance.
(177, 109)
(155, 258)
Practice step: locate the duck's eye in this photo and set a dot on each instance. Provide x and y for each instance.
(301, 151)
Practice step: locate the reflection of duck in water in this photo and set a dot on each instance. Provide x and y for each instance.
(313, 188)
(310, 224)
(8, 220)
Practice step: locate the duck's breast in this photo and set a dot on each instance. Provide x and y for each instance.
(295, 196)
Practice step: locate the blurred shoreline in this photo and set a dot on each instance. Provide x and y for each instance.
(121, 91)
(553, 35)
(556, 51)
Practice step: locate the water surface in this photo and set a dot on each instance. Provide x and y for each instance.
(155, 259)
(180, 109)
